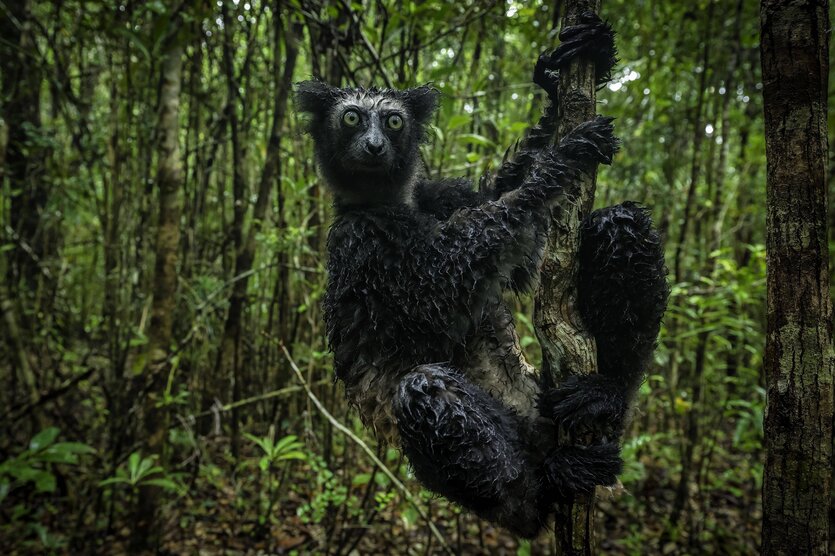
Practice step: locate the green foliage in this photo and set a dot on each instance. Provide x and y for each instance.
(275, 452)
(329, 493)
(287, 448)
(142, 471)
(686, 96)
(35, 471)
(36, 464)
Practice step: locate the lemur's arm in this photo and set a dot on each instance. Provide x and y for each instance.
(591, 38)
(452, 269)
(503, 235)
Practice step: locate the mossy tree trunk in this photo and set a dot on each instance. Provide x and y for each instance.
(169, 179)
(798, 354)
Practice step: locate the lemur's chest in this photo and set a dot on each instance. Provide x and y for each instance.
(376, 304)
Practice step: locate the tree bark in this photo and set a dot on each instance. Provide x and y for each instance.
(799, 360)
(157, 365)
(566, 347)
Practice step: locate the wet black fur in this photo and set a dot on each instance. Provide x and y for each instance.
(417, 269)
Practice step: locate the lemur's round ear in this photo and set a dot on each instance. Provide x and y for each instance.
(422, 102)
(314, 97)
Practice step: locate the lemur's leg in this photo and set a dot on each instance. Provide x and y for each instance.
(622, 295)
(475, 451)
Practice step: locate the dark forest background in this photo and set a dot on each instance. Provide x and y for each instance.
(162, 262)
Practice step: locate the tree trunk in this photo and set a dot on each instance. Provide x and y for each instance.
(698, 138)
(25, 153)
(799, 360)
(228, 362)
(157, 365)
(229, 356)
(566, 347)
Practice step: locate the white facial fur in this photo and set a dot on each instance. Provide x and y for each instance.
(367, 101)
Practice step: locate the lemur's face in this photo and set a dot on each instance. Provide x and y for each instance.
(371, 133)
(366, 140)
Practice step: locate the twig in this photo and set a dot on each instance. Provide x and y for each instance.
(369, 452)
(51, 395)
(261, 397)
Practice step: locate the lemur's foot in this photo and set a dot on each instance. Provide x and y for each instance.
(573, 470)
(622, 288)
(593, 141)
(591, 38)
(594, 404)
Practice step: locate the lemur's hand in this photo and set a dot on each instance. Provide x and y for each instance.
(591, 38)
(571, 470)
(556, 171)
(592, 142)
(587, 405)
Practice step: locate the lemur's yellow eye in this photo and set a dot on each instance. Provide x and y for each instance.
(395, 122)
(351, 118)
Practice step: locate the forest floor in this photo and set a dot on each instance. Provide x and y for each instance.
(218, 517)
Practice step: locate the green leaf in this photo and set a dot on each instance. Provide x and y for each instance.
(44, 438)
(133, 464)
(475, 139)
(73, 447)
(114, 481)
(293, 455)
(285, 442)
(167, 484)
(458, 120)
(410, 516)
(45, 482)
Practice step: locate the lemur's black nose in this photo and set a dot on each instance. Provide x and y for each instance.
(374, 147)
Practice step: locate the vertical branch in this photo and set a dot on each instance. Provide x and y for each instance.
(228, 355)
(169, 180)
(698, 137)
(566, 346)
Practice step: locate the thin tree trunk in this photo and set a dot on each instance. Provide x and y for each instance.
(228, 358)
(698, 137)
(17, 350)
(169, 179)
(799, 360)
(24, 156)
(566, 347)
(719, 205)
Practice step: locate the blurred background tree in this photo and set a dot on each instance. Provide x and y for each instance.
(161, 244)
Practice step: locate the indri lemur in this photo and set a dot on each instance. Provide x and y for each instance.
(421, 336)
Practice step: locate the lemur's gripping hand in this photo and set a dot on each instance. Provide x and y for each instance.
(591, 143)
(571, 470)
(559, 170)
(593, 405)
(591, 38)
